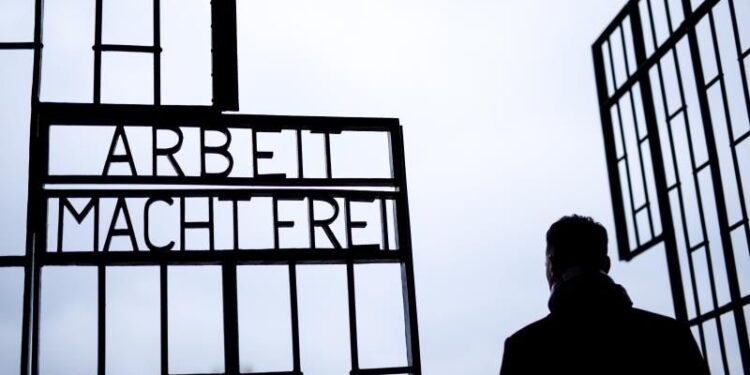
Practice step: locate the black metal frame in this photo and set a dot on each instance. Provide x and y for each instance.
(659, 173)
(43, 187)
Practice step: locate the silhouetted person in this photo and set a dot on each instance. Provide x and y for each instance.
(592, 327)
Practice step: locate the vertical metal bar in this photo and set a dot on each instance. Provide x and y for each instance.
(275, 213)
(157, 53)
(615, 188)
(235, 226)
(300, 161)
(37, 222)
(384, 224)
(36, 79)
(182, 223)
(98, 53)
(231, 335)
(96, 221)
(743, 71)
(720, 201)
(329, 172)
(353, 340)
(26, 322)
(31, 282)
(254, 141)
(202, 143)
(669, 16)
(351, 293)
(405, 245)
(37, 209)
(297, 368)
(657, 161)
(310, 219)
(164, 319)
(224, 54)
(210, 220)
(101, 319)
(36, 297)
(652, 25)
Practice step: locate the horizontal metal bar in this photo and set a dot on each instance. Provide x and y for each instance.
(665, 47)
(383, 371)
(221, 193)
(13, 261)
(737, 224)
(644, 247)
(641, 207)
(700, 319)
(207, 257)
(676, 113)
(127, 48)
(702, 167)
(714, 80)
(623, 157)
(169, 116)
(644, 139)
(741, 138)
(697, 246)
(17, 45)
(673, 186)
(223, 181)
(745, 54)
(252, 373)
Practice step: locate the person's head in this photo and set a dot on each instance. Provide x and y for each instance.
(576, 242)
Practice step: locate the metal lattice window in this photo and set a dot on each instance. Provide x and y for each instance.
(673, 94)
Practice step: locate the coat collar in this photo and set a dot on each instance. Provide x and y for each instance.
(587, 292)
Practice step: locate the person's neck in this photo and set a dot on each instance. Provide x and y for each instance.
(572, 273)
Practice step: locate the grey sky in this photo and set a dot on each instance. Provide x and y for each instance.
(498, 104)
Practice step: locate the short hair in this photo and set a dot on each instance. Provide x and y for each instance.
(577, 241)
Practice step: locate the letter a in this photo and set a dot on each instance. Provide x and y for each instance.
(121, 208)
(127, 157)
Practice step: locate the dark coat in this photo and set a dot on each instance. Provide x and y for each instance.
(592, 328)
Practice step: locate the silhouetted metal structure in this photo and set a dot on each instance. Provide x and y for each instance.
(46, 188)
(672, 82)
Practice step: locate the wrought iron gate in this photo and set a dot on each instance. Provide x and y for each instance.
(50, 195)
(672, 82)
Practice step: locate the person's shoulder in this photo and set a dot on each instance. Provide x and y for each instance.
(537, 329)
(672, 339)
(652, 318)
(657, 323)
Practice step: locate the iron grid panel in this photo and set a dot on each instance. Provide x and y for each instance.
(49, 115)
(687, 131)
(41, 187)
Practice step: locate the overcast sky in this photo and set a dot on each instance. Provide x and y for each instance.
(502, 136)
